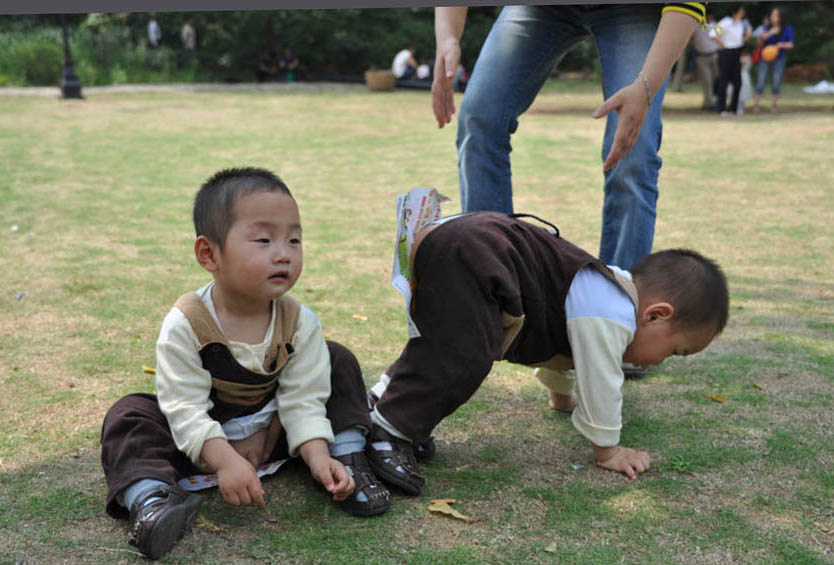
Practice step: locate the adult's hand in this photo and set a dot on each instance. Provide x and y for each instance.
(442, 88)
(448, 29)
(631, 104)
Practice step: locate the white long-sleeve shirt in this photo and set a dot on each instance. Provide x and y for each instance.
(601, 322)
(183, 385)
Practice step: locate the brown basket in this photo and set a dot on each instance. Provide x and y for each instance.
(379, 80)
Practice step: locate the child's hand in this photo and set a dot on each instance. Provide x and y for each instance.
(239, 483)
(333, 476)
(630, 462)
(330, 473)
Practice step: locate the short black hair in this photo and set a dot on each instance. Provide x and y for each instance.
(214, 204)
(694, 285)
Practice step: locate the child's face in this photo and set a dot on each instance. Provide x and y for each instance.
(659, 338)
(262, 257)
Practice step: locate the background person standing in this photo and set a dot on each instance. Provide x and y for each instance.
(731, 35)
(780, 34)
(706, 59)
(154, 33)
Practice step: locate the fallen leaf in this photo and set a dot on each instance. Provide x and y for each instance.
(442, 506)
(577, 466)
(204, 523)
(719, 398)
(758, 386)
(360, 317)
(149, 370)
(552, 547)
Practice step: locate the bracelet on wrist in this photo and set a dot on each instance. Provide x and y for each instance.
(648, 90)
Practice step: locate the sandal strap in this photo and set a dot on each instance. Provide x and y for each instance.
(363, 477)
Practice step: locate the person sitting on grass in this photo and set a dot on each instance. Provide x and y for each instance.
(489, 287)
(244, 376)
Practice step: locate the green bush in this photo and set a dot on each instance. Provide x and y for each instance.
(42, 63)
(825, 53)
(32, 58)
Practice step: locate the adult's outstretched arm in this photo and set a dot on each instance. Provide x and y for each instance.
(448, 29)
(632, 101)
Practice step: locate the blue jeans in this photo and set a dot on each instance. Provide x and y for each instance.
(522, 49)
(777, 66)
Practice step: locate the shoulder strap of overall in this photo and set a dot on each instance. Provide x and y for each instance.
(200, 319)
(287, 312)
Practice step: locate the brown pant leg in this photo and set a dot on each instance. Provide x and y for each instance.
(457, 306)
(136, 443)
(347, 406)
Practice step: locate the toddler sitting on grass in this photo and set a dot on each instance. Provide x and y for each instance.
(244, 376)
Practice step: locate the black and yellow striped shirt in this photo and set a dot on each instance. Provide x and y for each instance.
(697, 10)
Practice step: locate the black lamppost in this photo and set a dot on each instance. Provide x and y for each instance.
(70, 85)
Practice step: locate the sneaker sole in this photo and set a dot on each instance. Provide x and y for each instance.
(171, 527)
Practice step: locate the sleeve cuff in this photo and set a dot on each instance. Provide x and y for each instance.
(603, 437)
(195, 445)
(300, 434)
(695, 9)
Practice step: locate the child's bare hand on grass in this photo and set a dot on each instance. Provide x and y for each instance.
(239, 483)
(330, 473)
(630, 462)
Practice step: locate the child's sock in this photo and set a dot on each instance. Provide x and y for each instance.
(131, 493)
(351, 440)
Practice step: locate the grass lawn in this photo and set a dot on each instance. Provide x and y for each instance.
(95, 200)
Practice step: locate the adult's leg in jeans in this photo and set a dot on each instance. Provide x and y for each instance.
(623, 35)
(761, 77)
(523, 47)
(778, 71)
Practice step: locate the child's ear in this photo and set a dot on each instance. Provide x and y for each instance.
(658, 312)
(206, 253)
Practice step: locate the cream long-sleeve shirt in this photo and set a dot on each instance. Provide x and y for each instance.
(183, 385)
(601, 322)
